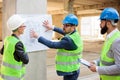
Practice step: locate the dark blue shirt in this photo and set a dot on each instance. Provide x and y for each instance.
(65, 43)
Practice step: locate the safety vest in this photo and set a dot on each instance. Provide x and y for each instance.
(10, 68)
(107, 61)
(68, 60)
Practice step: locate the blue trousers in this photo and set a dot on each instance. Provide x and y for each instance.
(73, 76)
(69, 75)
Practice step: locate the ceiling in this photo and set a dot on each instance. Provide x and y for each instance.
(81, 7)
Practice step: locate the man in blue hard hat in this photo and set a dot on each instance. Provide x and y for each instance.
(70, 47)
(108, 65)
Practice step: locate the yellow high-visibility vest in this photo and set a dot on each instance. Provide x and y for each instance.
(10, 68)
(105, 60)
(68, 60)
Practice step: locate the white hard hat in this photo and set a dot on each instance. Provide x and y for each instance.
(15, 22)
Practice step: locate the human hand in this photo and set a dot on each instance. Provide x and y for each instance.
(47, 25)
(92, 67)
(33, 34)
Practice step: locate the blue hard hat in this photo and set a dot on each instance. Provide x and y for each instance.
(109, 14)
(70, 19)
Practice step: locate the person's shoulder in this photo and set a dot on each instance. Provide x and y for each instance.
(19, 43)
(66, 38)
(116, 42)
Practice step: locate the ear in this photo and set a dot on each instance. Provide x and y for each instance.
(19, 29)
(74, 27)
(109, 23)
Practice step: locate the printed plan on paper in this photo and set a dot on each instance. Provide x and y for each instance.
(34, 22)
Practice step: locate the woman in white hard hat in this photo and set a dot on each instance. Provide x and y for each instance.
(13, 51)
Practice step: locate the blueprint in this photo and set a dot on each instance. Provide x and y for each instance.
(34, 22)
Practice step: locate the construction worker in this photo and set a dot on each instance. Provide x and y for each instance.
(70, 47)
(108, 66)
(14, 56)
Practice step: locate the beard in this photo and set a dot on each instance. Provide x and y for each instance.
(104, 30)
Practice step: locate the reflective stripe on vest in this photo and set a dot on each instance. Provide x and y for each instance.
(107, 63)
(67, 63)
(11, 77)
(12, 66)
(67, 54)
